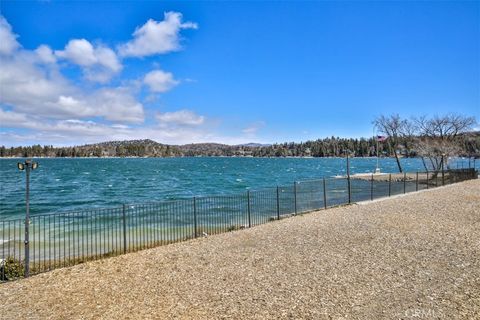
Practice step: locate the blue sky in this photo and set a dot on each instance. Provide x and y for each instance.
(231, 72)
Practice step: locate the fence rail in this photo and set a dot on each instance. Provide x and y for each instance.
(65, 239)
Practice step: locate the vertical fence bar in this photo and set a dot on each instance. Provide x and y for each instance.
(390, 185)
(371, 188)
(324, 193)
(195, 216)
(443, 177)
(404, 182)
(124, 222)
(278, 203)
(416, 181)
(427, 180)
(349, 186)
(248, 209)
(295, 195)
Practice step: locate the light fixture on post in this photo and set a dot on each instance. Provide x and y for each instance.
(27, 166)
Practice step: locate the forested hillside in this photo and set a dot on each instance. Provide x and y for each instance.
(327, 147)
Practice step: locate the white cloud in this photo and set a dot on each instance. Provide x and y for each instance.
(50, 108)
(28, 87)
(107, 58)
(8, 40)
(180, 118)
(32, 89)
(74, 131)
(156, 37)
(45, 54)
(253, 128)
(118, 104)
(11, 119)
(179, 127)
(69, 129)
(113, 104)
(68, 102)
(79, 51)
(160, 81)
(31, 84)
(100, 63)
(72, 128)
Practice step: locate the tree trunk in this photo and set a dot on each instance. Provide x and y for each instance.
(398, 161)
(424, 164)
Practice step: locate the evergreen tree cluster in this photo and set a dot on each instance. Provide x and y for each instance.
(327, 147)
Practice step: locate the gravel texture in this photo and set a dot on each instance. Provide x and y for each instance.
(410, 257)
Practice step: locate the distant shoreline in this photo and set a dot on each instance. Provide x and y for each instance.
(147, 148)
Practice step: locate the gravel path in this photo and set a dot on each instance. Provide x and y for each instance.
(411, 257)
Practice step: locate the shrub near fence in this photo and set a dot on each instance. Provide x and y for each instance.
(65, 239)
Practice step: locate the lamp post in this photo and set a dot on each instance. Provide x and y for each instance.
(27, 166)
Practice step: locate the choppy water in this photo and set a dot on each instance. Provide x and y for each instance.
(65, 184)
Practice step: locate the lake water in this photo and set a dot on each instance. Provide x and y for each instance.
(111, 206)
(65, 184)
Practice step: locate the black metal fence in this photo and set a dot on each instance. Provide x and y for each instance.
(65, 239)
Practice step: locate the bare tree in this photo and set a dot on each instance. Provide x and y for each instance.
(395, 128)
(438, 138)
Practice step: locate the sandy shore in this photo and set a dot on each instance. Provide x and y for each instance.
(410, 257)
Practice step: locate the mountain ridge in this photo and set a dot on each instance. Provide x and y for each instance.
(326, 147)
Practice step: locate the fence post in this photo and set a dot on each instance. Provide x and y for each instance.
(427, 179)
(443, 177)
(248, 209)
(27, 249)
(349, 189)
(371, 188)
(416, 182)
(324, 193)
(295, 195)
(278, 203)
(124, 222)
(390, 185)
(404, 182)
(195, 216)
